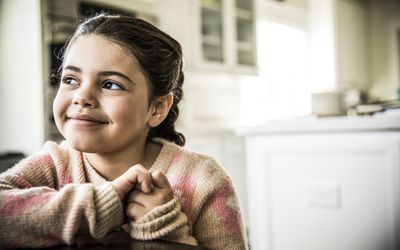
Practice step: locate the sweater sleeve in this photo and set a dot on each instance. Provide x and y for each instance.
(167, 222)
(219, 223)
(35, 212)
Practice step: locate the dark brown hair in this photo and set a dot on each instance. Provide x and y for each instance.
(159, 55)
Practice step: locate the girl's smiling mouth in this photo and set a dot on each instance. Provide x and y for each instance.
(85, 120)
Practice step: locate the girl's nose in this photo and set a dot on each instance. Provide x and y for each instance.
(85, 98)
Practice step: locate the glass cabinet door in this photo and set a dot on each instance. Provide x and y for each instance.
(212, 30)
(245, 48)
(227, 34)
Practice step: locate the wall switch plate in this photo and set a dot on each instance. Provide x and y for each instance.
(323, 194)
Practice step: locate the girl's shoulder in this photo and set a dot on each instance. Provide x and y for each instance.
(43, 167)
(49, 155)
(59, 152)
(208, 162)
(198, 165)
(184, 155)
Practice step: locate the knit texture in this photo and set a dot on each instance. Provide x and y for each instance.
(56, 197)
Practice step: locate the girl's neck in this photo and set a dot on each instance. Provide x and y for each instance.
(112, 165)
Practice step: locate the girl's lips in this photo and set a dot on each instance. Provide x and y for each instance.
(85, 120)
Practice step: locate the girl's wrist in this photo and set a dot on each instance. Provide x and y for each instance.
(120, 193)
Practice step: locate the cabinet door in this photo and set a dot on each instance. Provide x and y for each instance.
(212, 31)
(324, 191)
(227, 35)
(245, 34)
(216, 35)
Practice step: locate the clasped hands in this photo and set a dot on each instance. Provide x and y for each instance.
(145, 190)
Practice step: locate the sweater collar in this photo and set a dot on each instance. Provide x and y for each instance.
(162, 162)
(164, 158)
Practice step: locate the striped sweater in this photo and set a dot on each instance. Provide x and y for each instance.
(56, 197)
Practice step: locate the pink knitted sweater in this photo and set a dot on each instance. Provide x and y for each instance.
(57, 197)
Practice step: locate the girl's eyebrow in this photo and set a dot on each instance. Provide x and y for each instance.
(103, 73)
(116, 73)
(73, 68)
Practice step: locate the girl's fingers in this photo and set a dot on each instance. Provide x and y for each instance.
(138, 175)
(140, 198)
(143, 178)
(135, 211)
(156, 198)
(125, 227)
(133, 176)
(160, 180)
(146, 186)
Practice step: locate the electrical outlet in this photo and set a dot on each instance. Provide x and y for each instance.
(323, 194)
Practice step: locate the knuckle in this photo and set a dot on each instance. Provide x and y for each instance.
(136, 167)
(133, 170)
(140, 167)
(157, 173)
(164, 196)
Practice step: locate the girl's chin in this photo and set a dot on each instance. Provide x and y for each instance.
(84, 149)
(85, 146)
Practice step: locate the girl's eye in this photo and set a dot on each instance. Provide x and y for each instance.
(70, 81)
(112, 86)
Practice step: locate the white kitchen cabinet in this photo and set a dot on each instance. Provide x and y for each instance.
(326, 186)
(217, 35)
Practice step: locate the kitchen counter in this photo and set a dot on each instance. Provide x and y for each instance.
(325, 183)
(380, 122)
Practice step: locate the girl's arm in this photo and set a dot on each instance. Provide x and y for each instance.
(35, 211)
(219, 222)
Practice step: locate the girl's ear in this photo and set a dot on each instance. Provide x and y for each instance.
(160, 109)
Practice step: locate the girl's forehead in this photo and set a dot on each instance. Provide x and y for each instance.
(96, 51)
(94, 43)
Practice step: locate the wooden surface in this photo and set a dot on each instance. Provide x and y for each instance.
(134, 245)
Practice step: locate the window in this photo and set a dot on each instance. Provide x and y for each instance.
(282, 89)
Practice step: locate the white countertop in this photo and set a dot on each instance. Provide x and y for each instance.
(380, 122)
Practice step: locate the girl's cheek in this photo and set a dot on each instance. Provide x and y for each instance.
(122, 110)
(59, 106)
(56, 104)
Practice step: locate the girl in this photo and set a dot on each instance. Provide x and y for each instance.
(121, 165)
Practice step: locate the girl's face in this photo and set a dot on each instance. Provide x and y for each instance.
(102, 103)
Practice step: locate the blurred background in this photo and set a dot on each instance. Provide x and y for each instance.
(298, 99)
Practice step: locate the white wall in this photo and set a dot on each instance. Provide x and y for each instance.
(21, 84)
